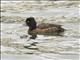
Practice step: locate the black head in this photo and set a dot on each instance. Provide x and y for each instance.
(31, 23)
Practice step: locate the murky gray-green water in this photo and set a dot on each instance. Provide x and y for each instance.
(47, 47)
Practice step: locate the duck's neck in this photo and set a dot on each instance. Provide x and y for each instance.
(32, 28)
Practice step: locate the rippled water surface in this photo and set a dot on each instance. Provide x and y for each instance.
(66, 47)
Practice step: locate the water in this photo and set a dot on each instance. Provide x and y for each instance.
(47, 47)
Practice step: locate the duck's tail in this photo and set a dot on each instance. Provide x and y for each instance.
(60, 29)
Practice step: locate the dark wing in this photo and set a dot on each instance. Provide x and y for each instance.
(46, 25)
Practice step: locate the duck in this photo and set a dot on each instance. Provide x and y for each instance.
(43, 28)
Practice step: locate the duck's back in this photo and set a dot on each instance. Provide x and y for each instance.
(46, 25)
(47, 29)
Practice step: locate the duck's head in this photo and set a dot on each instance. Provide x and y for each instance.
(31, 23)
